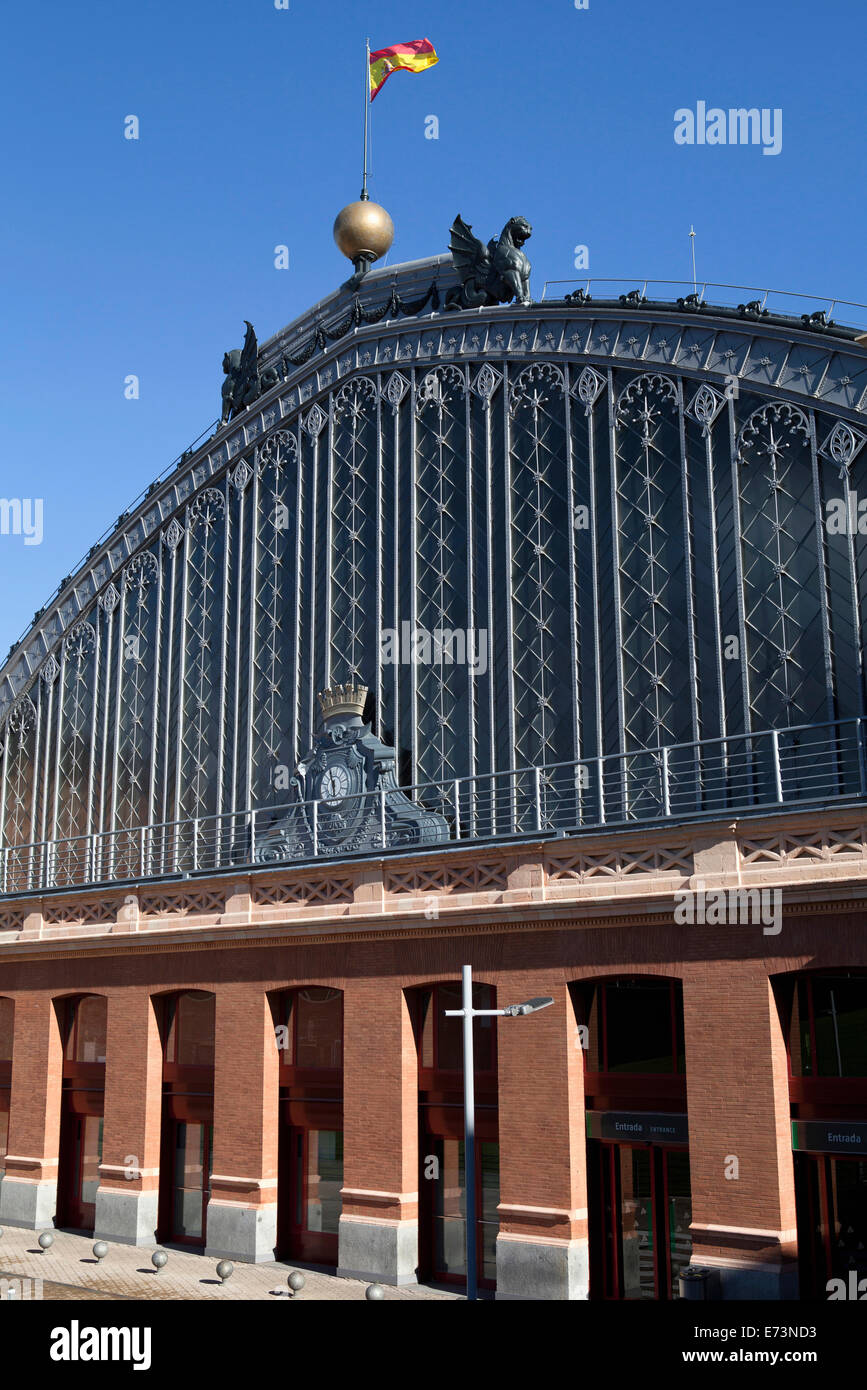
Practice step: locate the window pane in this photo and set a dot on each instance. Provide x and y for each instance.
(4, 1136)
(91, 1157)
(636, 1223)
(426, 1026)
(840, 1021)
(92, 1018)
(639, 1026)
(286, 1037)
(450, 1044)
(679, 1215)
(319, 1023)
(7, 1014)
(800, 1047)
(489, 1216)
(195, 1030)
(450, 1208)
(324, 1179)
(189, 1176)
(848, 1216)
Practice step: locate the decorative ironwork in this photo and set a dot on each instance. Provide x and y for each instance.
(841, 445)
(481, 498)
(652, 563)
(782, 582)
(589, 388)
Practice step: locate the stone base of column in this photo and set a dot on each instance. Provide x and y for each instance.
(238, 1232)
(126, 1218)
(28, 1203)
(753, 1281)
(530, 1268)
(382, 1252)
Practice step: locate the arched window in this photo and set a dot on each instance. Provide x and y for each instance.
(441, 1038)
(86, 1024)
(634, 1026)
(190, 1029)
(828, 1025)
(311, 1036)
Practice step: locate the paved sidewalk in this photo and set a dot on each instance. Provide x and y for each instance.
(69, 1271)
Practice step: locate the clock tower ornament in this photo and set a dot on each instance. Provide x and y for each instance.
(344, 788)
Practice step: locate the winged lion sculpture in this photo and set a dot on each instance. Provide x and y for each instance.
(491, 274)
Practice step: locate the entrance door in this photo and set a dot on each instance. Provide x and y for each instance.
(313, 1169)
(640, 1214)
(81, 1155)
(449, 1211)
(191, 1180)
(832, 1220)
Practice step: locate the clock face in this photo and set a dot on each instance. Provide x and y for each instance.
(334, 785)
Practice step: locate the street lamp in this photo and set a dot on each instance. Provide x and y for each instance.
(468, 1013)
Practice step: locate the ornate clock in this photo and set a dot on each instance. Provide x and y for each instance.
(334, 785)
(343, 789)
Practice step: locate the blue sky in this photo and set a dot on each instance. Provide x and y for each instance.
(144, 257)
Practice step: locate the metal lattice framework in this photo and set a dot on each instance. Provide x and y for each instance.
(642, 553)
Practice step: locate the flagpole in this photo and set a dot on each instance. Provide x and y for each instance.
(364, 193)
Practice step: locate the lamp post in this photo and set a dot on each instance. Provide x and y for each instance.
(468, 1013)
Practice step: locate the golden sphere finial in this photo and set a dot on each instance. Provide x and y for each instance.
(363, 231)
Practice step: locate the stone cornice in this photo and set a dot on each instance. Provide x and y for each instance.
(468, 924)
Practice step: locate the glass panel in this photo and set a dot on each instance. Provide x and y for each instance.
(286, 1039)
(849, 1216)
(324, 1179)
(299, 1178)
(195, 1030)
(319, 1024)
(588, 1011)
(636, 1223)
(449, 1031)
(426, 1026)
(91, 1015)
(679, 1215)
(840, 1022)
(489, 1216)
(7, 1015)
(638, 1026)
(4, 1136)
(450, 1208)
(189, 1176)
(91, 1156)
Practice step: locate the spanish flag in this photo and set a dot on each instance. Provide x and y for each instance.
(414, 56)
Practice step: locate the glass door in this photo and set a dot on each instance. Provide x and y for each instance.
(678, 1212)
(191, 1186)
(316, 1179)
(450, 1211)
(832, 1220)
(634, 1177)
(80, 1157)
(640, 1214)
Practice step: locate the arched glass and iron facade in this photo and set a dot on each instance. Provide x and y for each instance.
(639, 555)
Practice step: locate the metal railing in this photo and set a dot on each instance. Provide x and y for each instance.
(790, 303)
(811, 764)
